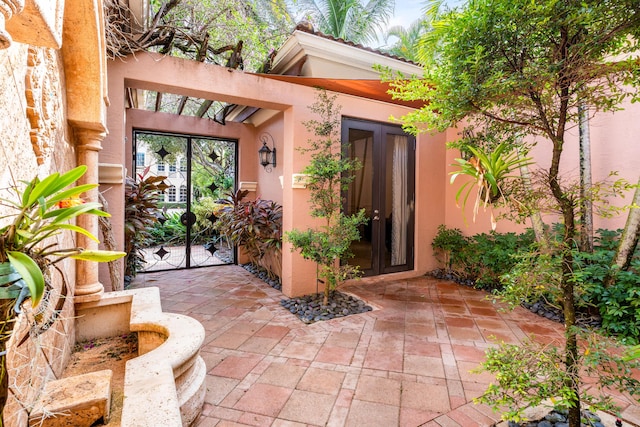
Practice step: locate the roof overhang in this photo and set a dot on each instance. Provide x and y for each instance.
(330, 58)
(364, 88)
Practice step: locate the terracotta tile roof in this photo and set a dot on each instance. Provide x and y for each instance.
(308, 28)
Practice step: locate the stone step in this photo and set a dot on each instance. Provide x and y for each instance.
(77, 401)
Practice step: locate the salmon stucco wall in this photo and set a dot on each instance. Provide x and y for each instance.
(613, 149)
(291, 102)
(272, 131)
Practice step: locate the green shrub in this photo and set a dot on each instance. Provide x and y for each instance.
(618, 305)
(449, 244)
(482, 258)
(528, 374)
(496, 253)
(142, 198)
(257, 226)
(171, 231)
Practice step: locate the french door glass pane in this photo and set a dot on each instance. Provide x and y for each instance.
(361, 195)
(397, 207)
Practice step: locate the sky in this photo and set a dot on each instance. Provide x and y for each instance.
(407, 11)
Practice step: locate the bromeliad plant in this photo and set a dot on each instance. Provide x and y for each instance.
(488, 170)
(41, 211)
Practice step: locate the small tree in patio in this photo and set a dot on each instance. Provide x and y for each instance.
(328, 174)
(527, 66)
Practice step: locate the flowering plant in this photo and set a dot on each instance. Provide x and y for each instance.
(42, 210)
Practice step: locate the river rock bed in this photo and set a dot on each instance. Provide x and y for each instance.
(261, 274)
(558, 418)
(309, 308)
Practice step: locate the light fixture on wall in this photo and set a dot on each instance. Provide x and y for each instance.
(267, 155)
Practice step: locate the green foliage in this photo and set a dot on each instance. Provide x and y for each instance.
(329, 173)
(255, 225)
(537, 275)
(618, 304)
(42, 210)
(492, 254)
(207, 30)
(450, 244)
(488, 170)
(406, 45)
(520, 61)
(202, 209)
(140, 215)
(527, 65)
(482, 258)
(530, 373)
(353, 20)
(326, 245)
(171, 231)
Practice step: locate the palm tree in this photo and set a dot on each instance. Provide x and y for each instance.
(408, 38)
(350, 20)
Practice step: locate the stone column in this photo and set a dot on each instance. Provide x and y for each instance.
(88, 144)
(8, 8)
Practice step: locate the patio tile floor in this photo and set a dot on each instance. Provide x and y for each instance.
(407, 363)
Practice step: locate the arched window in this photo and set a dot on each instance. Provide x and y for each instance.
(172, 193)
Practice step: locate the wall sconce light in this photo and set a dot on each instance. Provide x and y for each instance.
(267, 155)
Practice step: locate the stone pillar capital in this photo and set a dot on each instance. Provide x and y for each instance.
(88, 138)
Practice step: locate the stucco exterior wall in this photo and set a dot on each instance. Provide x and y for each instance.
(288, 131)
(614, 148)
(269, 187)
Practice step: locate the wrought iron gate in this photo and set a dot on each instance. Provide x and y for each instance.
(198, 171)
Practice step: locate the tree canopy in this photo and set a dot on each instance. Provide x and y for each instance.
(237, 33)
(352, 20)
(526, 63)
(406, 45)
(523, 67)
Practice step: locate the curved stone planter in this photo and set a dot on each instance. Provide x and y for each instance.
(165, 384)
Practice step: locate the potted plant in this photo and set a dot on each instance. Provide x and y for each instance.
(40, 211)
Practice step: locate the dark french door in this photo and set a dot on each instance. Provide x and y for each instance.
(385, 189)
(198, 171)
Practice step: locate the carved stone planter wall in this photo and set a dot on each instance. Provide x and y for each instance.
(165, 384)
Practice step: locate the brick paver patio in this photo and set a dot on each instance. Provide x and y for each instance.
(407, 363)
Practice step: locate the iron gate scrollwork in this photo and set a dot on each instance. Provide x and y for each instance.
(198, 171)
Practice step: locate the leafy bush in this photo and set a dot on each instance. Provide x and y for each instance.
(257, 226)
(449, 244)
(169, 231)
(141, 206)
(492, 254)
(203, 209)
(536, 276)
(530, 373)
(482, 258)
(618, 304)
